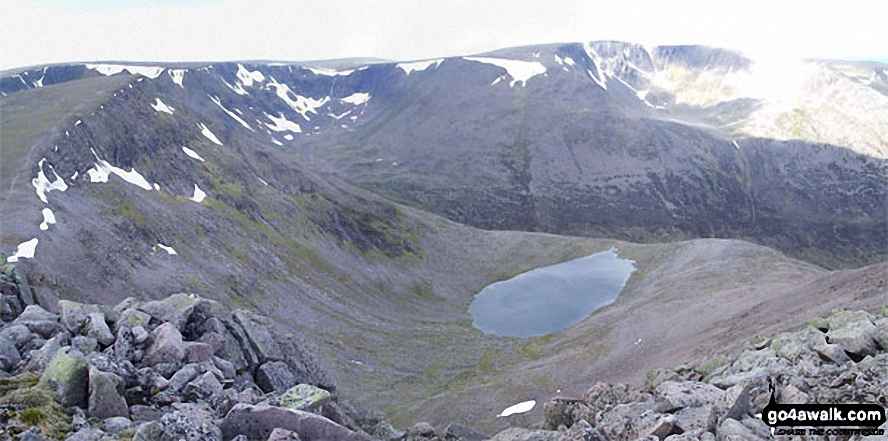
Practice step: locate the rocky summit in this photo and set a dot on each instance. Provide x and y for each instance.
(183, 367)
(186, 367)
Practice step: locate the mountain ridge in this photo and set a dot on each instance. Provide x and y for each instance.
(288, 226)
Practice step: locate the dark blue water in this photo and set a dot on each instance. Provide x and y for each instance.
(550, 299)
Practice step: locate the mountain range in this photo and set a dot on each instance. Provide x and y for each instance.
(362, 203)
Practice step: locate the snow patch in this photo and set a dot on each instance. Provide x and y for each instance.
(300, 104)
(518, 408)
(77, 123)
(237, 88)
(282, 124)
(111, 69)
(169, 250)
(518, 70)
(356, 98)
(419, 65)
(601, 80)
(230, 113)
(39, 83)
(328, 72)
(276, 142)
(161, 107)
(262, 180)
(247, 78)
(177, 75)
(48, 218)
(42, 185)
(192, 153)
(24, 250)
(104, 169)
(206, 132)
(199, 195)
(338, 117)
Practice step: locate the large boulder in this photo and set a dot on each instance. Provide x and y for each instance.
(258, 422)
(857, 338)
(175, 309)
(67, 374)
(274, 376)
(304, 397)
(167, 347)
(39, 321)
(106, 395)
(74, 315)
(259, 335)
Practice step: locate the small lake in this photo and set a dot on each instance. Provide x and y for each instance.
(552, 298)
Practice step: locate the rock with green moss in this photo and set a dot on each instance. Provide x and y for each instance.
(841, 318)
(148, 431)
(857, 338)
(106, 395)
(304, 397)
(67, 374)
(132, 318)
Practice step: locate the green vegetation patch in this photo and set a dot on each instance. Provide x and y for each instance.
(42, 407)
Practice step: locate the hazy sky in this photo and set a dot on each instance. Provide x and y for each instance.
(44, 31)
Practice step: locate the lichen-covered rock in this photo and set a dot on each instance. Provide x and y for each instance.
(148, 431)
(180, 425)
(131, 318)
(41, 358)
(68, 375)
(167, 347)
(74, 315)
(303, 397)
(106, 395)
(857, 338)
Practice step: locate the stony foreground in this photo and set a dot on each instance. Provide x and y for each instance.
(187, 367)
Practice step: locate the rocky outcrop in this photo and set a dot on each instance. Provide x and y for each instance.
(184, 367)
(840, 359)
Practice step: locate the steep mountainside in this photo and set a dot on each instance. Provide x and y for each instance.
(270, 186)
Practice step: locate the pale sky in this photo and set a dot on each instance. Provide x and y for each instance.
(48, 31)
